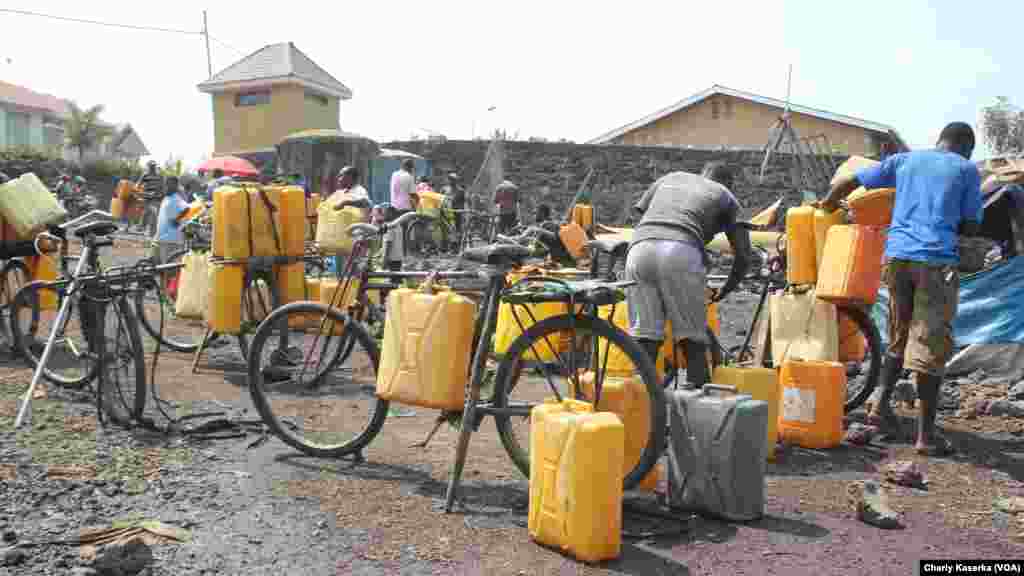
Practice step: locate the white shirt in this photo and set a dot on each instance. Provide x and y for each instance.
(402, 188)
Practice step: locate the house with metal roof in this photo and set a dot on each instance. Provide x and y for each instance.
(276, 91)
(36, 120)
(721, 117)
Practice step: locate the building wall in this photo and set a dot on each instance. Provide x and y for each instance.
(551, 173)
(244, 128)
(742, 124)
(35, 128)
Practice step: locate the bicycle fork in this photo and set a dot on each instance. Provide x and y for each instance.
(497, 284)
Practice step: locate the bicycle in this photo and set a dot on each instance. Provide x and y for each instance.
(84, 295)
(343, 358)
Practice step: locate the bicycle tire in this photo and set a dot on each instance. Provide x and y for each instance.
(113, 395)
(600, 329)
(256, 380)
(13, 277)
(152, 326)
(874, 355)
(26, 300)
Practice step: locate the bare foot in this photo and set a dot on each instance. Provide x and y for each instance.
(938, 446)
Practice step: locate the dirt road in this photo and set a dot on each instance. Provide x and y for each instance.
(265, 509)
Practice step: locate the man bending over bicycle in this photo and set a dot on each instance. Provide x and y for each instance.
(681, 213)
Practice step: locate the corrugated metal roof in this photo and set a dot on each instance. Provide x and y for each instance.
(277, 61)
(716, 89)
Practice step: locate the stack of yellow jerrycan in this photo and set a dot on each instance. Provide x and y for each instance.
(627, 397)
(424, 360)
(576, 479)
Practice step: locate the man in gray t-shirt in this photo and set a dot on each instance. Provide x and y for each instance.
(682, 212)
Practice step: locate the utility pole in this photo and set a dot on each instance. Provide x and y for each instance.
(206, 35)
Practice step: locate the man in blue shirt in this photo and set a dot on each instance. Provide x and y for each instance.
(938, 199)
(169, 236)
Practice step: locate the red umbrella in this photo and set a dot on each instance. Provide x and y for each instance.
(230, 165)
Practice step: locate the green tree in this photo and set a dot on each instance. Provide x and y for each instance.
(173, 166)
(83, 129)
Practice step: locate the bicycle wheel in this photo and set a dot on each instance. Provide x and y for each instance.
(13, 277)
(158, 293)
(423, 239)
(309, 398)
(532, 381)
(122, 381)
(862, 371)
(33, 316)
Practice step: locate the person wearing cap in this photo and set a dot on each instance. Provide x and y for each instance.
(457, 194)
(506, 197)
(152, 194)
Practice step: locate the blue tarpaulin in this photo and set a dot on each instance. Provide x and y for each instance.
(991, 307)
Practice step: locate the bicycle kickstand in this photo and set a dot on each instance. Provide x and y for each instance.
(437, 426)
(199, 350)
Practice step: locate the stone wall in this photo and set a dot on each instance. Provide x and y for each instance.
(552, 172)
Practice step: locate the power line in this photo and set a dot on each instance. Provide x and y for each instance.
(226, 45)
(99, 23)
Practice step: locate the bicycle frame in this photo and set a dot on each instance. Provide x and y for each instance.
(67, 288)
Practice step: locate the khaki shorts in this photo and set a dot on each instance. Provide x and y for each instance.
(923, 299)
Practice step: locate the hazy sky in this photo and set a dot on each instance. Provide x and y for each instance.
(552, 69)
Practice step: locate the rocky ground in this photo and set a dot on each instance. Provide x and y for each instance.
(257, 507)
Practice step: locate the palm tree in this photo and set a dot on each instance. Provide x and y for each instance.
(83, 129)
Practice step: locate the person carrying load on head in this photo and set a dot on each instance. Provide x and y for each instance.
(679, 214)
(152, 195)
(938, 199)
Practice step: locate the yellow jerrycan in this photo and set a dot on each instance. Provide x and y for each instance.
(760, 384)
(813, 401)
(576, 479)
(224, 306)
(628, 399)
(293, 220)
(822, 222)
(801, 250)
(230, 223)
(424, 360)
(266, 224)
(43, 268)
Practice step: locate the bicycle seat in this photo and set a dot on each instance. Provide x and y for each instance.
(97, 228)
(613, 245)
(498, 254)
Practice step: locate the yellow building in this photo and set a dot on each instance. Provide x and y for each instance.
(721, 117)
(272, 93)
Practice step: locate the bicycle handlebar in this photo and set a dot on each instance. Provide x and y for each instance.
(401, 221)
